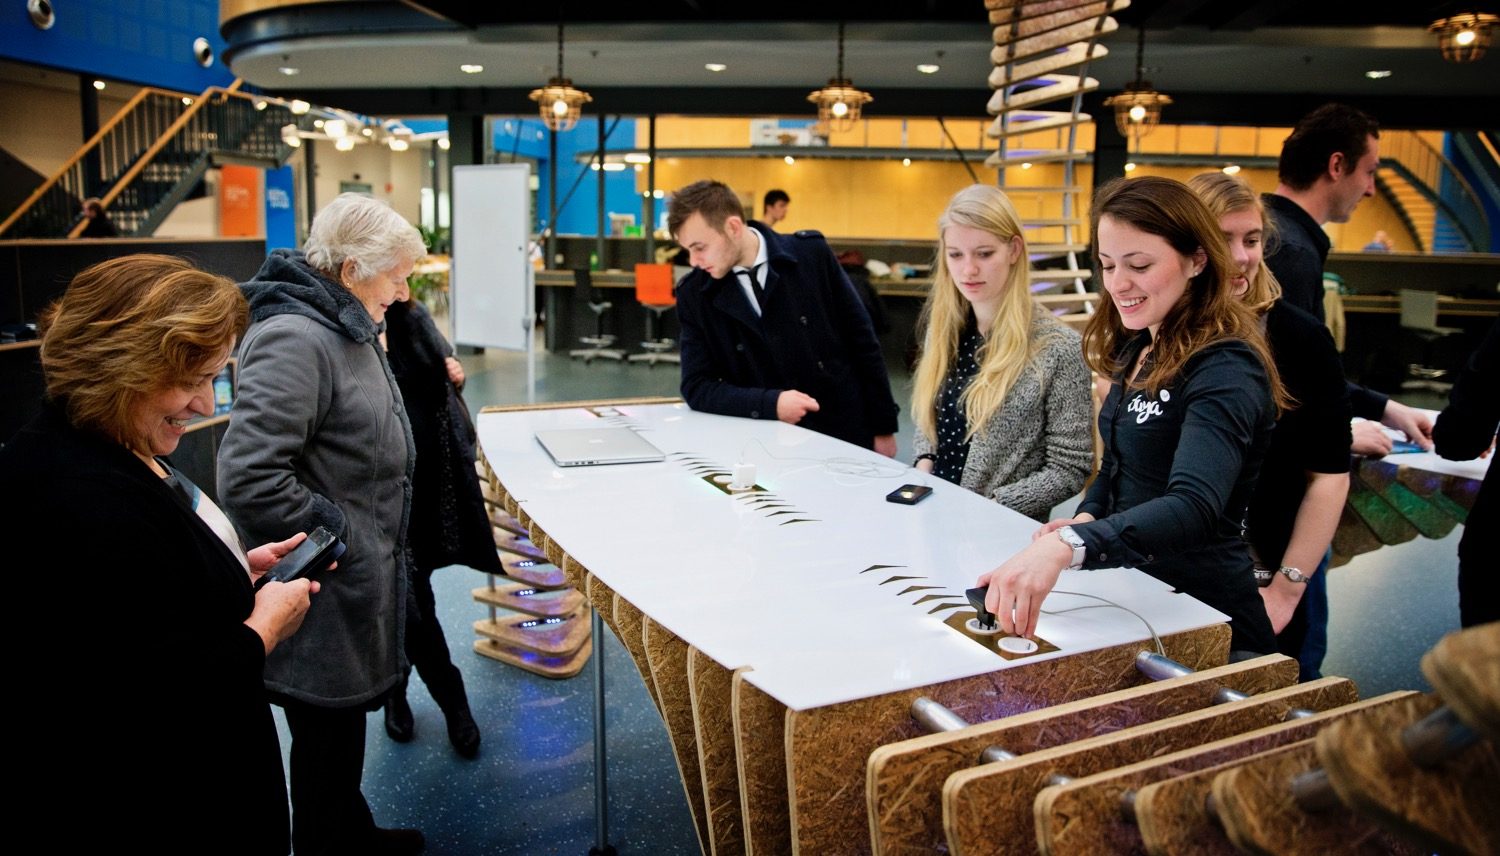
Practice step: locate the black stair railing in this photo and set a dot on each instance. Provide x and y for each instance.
(150, 155)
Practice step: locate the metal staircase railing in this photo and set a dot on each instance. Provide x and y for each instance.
(150, 155)
(1433, 176)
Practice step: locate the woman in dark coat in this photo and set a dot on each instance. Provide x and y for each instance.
(148, 690)
(449, 525)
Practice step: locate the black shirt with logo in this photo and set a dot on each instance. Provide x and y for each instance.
(1179, 467)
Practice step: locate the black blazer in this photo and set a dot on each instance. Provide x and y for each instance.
(815, 336)
(143, 702)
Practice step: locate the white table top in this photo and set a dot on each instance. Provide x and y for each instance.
(787, 582)
(1431, 462)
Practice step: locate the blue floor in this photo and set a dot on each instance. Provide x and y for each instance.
(531, 789)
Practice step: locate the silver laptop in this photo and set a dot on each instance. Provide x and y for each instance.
(587, 447)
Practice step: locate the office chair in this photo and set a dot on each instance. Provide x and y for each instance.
(599, 343)
(653, 289)
(1419, 311)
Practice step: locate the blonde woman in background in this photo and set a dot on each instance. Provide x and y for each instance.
(1001, 393)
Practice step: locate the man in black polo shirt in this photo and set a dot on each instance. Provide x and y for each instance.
(1327, 168)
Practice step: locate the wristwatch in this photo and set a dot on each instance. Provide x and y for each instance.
(1265, 575)
(1069, 537)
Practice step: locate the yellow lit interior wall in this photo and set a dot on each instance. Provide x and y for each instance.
(884, 199)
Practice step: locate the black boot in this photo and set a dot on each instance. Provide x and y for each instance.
(463, 732)
(398, 719)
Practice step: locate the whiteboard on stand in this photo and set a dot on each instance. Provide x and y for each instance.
(491, 280)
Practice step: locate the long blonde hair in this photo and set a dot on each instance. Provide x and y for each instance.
(1224, 195)
(1007, 347)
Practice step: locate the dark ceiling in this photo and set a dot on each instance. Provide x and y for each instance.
(1261, 63)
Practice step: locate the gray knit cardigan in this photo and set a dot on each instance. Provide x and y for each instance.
(1037, 449)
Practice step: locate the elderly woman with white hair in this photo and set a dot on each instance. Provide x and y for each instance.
(319, 437)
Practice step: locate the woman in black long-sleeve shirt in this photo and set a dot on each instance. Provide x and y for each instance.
(1185, 426)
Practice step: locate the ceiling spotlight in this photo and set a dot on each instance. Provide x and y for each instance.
(1130, 167)
(1232, 169)
(906, 161)
(261, 104)
(715, 66)
(1026, 165)
(300, 107)
(444, 144)
(614, 167)
(1464, 37)
(397, 144)
(318, 123)
(657, 194)
(344, 144)
(637, 157)
(99, 85)
(336, 128)
(789, 160)
(203, 52)
(290, 137)
(929, 68)
(289, 71)
(186, 101)
(839, 103)
(471, 68)
(1378, 73)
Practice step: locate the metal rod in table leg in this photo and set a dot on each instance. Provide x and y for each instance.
(601, 847)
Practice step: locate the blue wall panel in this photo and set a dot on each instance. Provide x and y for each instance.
(147, 42)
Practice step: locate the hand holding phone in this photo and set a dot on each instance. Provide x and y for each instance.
(320, 549)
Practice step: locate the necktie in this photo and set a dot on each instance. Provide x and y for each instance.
(754, 274)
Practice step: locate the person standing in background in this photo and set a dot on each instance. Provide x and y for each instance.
(774, 206)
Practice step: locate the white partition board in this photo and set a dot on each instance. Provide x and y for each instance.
(815, 606)
(491, 279)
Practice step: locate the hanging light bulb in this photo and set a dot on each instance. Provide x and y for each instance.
(559, 102)
(1138, 108)
(1464, 37)
(839, 103)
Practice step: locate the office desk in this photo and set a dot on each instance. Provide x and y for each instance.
(784, 631)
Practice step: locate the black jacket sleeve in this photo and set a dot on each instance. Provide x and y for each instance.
(859, 340)
(1466, 427)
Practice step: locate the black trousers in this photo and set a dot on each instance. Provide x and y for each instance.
(427, 649)
(329, 813)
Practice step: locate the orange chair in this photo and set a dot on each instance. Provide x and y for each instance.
(653, 290)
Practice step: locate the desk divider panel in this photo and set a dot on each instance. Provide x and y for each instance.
(828, 747)
(989, 809)
(1085, 817)
(711, 686)
(760, 747)
(904, 780)
(668, 657)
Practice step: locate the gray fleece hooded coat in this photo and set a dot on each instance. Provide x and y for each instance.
(319, 437)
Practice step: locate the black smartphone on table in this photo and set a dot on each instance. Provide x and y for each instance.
(909, 494)
(320, 549)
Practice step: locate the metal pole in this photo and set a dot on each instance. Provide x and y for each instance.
(650, 224)
(601, 847)
(599, 219)
(551, 199)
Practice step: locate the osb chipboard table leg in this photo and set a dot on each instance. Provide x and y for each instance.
(1453, 807)
(828, 747)
(667, 655)
(1085, 816)
(904, 781)
(760, 749)
(711, 687)
(1464, 668)
(1258, 815)
(988, 809)
(630, 624)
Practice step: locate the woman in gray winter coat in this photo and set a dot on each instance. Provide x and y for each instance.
(319, 437)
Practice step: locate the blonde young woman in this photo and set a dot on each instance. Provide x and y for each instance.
(1001, 393)
(1304, 479)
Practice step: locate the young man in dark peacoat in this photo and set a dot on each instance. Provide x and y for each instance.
(796, 345)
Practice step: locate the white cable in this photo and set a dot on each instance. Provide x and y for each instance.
(1106, 602)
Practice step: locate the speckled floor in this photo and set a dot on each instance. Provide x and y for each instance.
(531, 789)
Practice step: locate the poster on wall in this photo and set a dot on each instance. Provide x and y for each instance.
(239, 202)
(491, 276)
